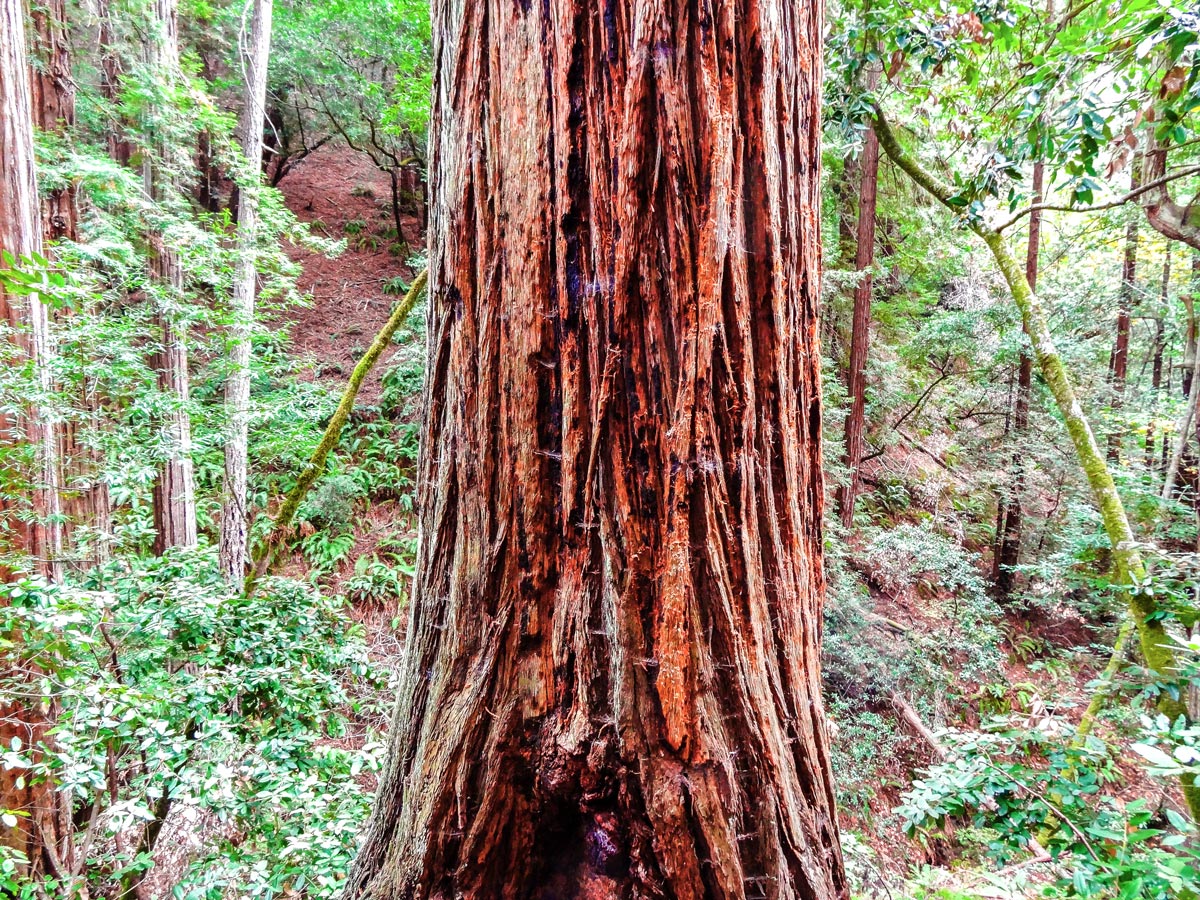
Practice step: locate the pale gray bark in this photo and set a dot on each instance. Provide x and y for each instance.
(39, 832)
(256, 48)
(174, 492)
(1183, 430)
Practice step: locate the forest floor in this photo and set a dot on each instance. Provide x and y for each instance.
(343, 196)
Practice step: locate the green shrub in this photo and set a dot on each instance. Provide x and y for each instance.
(1017, 782)
(167, 685)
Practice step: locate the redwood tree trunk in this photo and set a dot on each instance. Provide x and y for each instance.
(1010, 518)
(612, 682)
(1120, 355)
(110, 78)
(40, 811)
(36, 532)
(860, 329)
(174, 495)
(85, 498)
(53, 92)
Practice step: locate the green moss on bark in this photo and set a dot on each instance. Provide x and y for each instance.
(1153, 639)
(333, 432)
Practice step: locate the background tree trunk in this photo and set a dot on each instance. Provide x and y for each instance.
(53, 91)
(234, 513)
(1010, 516)
(860, 330)
(174, 492)
(110, 78)
(41, 822)
(612, 685)
(85, 499)
(35, 532)
(1156, 361)
(1120, 355)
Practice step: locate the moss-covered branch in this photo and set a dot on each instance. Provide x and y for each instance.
(1130, 570)
(333, 433)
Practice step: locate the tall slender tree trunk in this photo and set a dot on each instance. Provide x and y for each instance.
(85, 500)
(1010, 515)
(611, 686)
(1191, 337)
(110, 78)
(234, 513)
(32, 532)
(1120, 354)
(860, 330)
(1190, 463)
(1191, 386)
(846, 190)
(1156, 361)
(174, 491)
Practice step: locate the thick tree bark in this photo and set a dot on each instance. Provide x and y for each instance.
(35, 531)
(860, 329)
(1010, 516)
(174, 495)
(110, 78)
(234, 512)
(53, 92)
(612, 682)
(32, 533)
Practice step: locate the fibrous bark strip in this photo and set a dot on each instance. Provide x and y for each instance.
(612, 684)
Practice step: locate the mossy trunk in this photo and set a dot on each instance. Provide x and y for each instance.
(1129, 569)
(281, 526)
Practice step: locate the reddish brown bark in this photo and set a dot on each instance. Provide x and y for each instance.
(30, 531)
(612, 685)
(33, 530)
(53, 93)
(1156, 363)
(1010, 516)
(110, 81)
(1120, 355)
(860, 330)
(85, 500)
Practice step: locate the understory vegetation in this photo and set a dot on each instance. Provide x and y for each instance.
(999, 728)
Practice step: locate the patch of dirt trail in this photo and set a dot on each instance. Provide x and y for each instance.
(343, 196)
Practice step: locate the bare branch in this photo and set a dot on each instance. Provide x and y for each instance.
(1099, 207)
